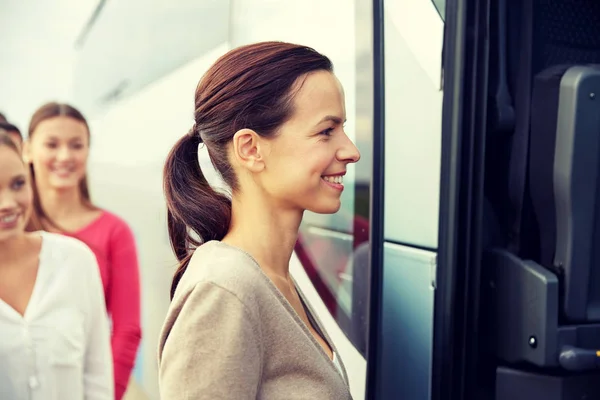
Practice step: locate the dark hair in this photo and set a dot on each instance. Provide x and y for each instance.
(249, 87)
(6, 141)
(3, 118)
(39, 218)
(8, 127)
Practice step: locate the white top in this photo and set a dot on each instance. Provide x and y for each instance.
(60, 348)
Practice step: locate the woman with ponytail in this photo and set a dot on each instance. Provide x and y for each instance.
(271, 117)
(57, 151)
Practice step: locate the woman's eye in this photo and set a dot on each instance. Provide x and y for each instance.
(327, 132)
(19, 184)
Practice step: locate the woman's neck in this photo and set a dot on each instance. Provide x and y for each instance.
(268, 234)
(11, 250)
(59, 204)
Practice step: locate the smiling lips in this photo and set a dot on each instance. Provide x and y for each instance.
(63, 172)
(336, 181)
(9, 221)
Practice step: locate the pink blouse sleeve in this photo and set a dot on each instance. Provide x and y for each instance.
(123, 303)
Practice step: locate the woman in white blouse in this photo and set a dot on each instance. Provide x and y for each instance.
(54, 333)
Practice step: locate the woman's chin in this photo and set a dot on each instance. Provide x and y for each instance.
(329, 207)
(63, 183)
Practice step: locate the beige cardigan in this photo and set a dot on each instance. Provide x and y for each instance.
(231, 334)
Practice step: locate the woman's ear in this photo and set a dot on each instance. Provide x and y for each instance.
(26, 152)
(248, 150)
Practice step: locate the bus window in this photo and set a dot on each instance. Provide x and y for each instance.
(440, 5)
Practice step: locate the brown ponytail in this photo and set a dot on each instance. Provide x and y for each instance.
(249, 87)
(192, 204)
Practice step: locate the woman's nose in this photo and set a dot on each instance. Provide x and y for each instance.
(348, 152)
(7, 200)
(63, 153)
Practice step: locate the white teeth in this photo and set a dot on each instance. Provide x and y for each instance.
(63, 170)
(334, 179)
(8, 219)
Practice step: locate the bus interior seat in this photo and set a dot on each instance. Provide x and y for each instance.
(561, 32)
(544, 293)
(527, 36)
(564, 176)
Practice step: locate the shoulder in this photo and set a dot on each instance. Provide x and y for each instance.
(119, 232)
(74, 267)
(114, 222)
(68, 252)
(65, 246)
(68, 256)
(217, 265)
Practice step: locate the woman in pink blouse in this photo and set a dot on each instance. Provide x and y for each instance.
(57, 150)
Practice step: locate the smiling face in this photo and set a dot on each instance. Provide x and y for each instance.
(15, 194)
(58, 150)
(306, 160)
